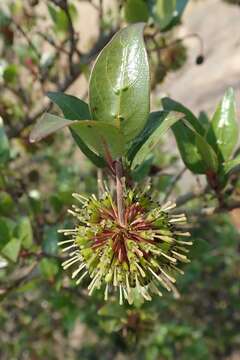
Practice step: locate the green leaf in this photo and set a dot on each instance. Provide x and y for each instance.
(59, 18)
(172, 105)
(223, 132)
(186, 138)
(101, 137)
(50, 240)
(4, 145)
(196, 153)
(231, 165)
(48, 124)
(119, 83)
(49, 268)
(12, 249)
(204, 120)
(163, 12)
(5, 20)
(208, 155)
(141, 171)
(7, 205)
(10, 73)
(24, 232)
(168, 13)
(136, 11)
(158, 123)
(5, 232)
(74, 108)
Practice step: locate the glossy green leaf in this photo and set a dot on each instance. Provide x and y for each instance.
(208, 155)
(158, 123)
(186, 138)
(136, 11)
(172, 105)
(196, 153)
(204, 120)
(186, 142)
(231, 165)
(180, 7)
(168, 13)
(12, 249)
(119, 83)
(4, 145)
(74, 108)
(24, 232)
(164, 12)
(223, 133)
(101, 137)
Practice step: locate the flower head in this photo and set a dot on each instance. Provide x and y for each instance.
(139, 255)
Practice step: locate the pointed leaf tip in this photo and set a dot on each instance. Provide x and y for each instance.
(47, 125)
(119, 89)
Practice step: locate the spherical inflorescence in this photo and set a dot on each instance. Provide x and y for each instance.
(138, 255)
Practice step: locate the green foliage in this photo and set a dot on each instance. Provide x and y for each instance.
(74, 108)
(231, 165)
(24, 233)
(136, 11)
(119, 83)
(186, 137)
(168, 13)
(4, 145)
(10, 73)
(43, 314)
(11, 249)
(102, 137)
(47, 125)
(223, 132)
(59, 17)
(158, 124)
(5, 233)
(204, 144)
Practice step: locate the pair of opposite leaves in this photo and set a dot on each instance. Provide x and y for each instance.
(118, 98)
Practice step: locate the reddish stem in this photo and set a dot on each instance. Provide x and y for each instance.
(119, 191)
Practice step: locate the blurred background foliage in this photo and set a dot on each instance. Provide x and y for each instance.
(43, 315)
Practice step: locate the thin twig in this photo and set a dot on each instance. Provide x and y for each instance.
(196, 193)
(25, 35)
(173, 183)
(100, 182)
(177, 41)
(6, 290)
(59, 48)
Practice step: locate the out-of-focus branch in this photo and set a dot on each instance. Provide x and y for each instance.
(209, 211)
(25, 35)
(63, 5)
(68, 81)
(4, 291)
(51, 41)
(173, 183)
(191, 195)
(226, 206)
